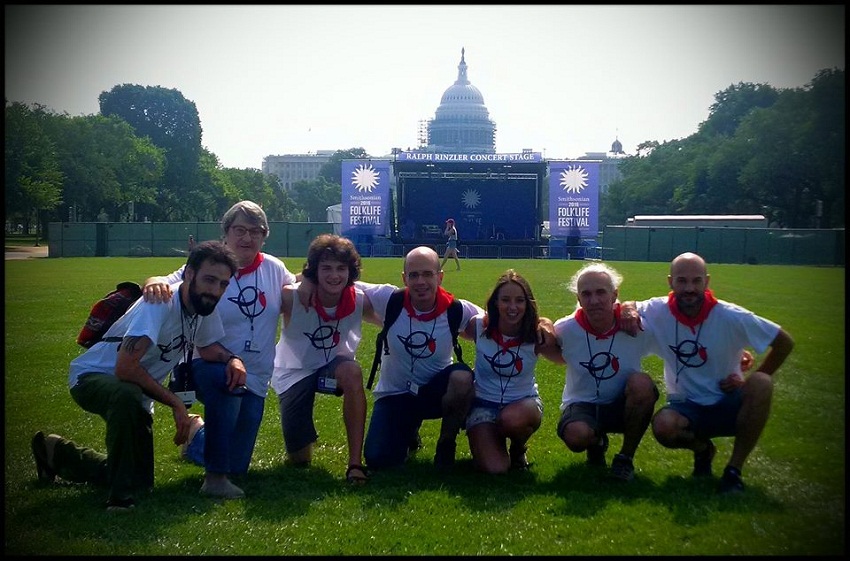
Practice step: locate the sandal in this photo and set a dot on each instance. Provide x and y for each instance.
(42, 463)
(352, 477)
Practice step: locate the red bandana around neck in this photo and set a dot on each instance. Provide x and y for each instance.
(252, 267)
(498, 338)
(582, 320)
(443, 300)
(344, 307)
(707, 305)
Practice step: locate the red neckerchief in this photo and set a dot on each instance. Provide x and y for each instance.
(582, 320)
(442, 304)
(252, 267)
(344, 307)
(497, 337)
(707, 305)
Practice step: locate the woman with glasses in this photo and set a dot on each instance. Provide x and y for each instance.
(250, 311)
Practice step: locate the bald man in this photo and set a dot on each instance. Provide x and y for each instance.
(702, 340)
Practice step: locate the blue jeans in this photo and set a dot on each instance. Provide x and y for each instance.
(231, 421)
(396, 419)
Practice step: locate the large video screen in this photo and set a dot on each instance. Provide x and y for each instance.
(482, 209)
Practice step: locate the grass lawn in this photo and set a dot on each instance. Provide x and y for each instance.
(794, 503)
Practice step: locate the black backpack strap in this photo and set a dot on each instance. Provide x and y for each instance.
(394, 306)
(455, 314)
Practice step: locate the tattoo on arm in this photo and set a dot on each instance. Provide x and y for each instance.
(129, 343)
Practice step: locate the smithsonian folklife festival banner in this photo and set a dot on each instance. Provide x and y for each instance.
(574, 198)
(365, 198)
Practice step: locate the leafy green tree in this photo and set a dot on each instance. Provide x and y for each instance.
(733, 104)
(314, 197)
(331, 171)
(106, 166)
(32, 174)
(172, 123)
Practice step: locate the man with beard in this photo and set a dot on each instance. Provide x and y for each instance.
(702, 341)
(120, 377)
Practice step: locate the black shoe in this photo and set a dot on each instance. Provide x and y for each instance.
(519, 461)
(444, 457)
(731, 481)
(42, 464)
(120, 505)
(414, 445)
(596, 453)
(702, 461)
(622, 468)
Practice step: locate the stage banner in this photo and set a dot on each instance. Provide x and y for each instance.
(365, 198)
(574, 198)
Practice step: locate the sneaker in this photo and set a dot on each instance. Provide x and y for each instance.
(120, 505)
(223, 490)
(622, 468)
(596, 453)
(731, 481)
(445, 454)
(42, 462)
(702, 461)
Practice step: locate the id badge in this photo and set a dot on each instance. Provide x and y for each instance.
(413, 388)
(251, 347)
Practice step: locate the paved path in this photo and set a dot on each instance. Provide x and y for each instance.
(25, 251)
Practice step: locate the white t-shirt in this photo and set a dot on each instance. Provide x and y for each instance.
(696, 360)
(597, 369)
(165, 325)
(418, 349)
(503, 374)
(250, 312)
(308, 343)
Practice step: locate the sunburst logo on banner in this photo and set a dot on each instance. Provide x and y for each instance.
(574, 179)
(471, 198)
(364, 178)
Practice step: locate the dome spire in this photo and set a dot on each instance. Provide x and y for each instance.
(461, 69)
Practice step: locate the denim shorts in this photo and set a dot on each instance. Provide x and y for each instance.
(706, 421)
(483, 411)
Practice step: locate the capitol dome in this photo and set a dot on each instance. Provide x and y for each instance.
(462, 122)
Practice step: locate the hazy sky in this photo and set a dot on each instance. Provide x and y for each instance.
(563, 80)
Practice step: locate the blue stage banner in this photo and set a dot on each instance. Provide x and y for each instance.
(365, 198)
(574, 198)
(503, 158)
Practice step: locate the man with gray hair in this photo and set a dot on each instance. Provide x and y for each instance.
(605, 389)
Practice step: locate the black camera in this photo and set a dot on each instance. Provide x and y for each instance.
(182, 383)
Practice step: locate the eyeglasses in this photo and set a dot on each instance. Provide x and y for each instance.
(427, 275)
(256, 233)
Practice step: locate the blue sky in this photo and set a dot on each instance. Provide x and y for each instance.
(563, 80)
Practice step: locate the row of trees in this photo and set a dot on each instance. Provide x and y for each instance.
(139, 159)
(761, 151)
(780, 153)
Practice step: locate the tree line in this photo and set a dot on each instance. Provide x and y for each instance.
(780, 153)
(762, 150)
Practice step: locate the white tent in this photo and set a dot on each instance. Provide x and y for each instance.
(335, 217)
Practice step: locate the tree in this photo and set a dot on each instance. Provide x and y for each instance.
(331, 171)
(315, 196)
(172, 123)
(106, 166)
(32, 174)
(733, 104)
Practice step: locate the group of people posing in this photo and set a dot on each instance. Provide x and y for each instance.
(219, 313)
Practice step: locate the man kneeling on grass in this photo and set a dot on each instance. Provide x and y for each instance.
(120, 377)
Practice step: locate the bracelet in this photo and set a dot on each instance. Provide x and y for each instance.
(231, 357)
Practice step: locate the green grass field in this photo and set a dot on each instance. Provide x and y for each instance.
(794, 503)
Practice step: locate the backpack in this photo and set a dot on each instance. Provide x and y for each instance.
(394, 306)
(106, 311)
